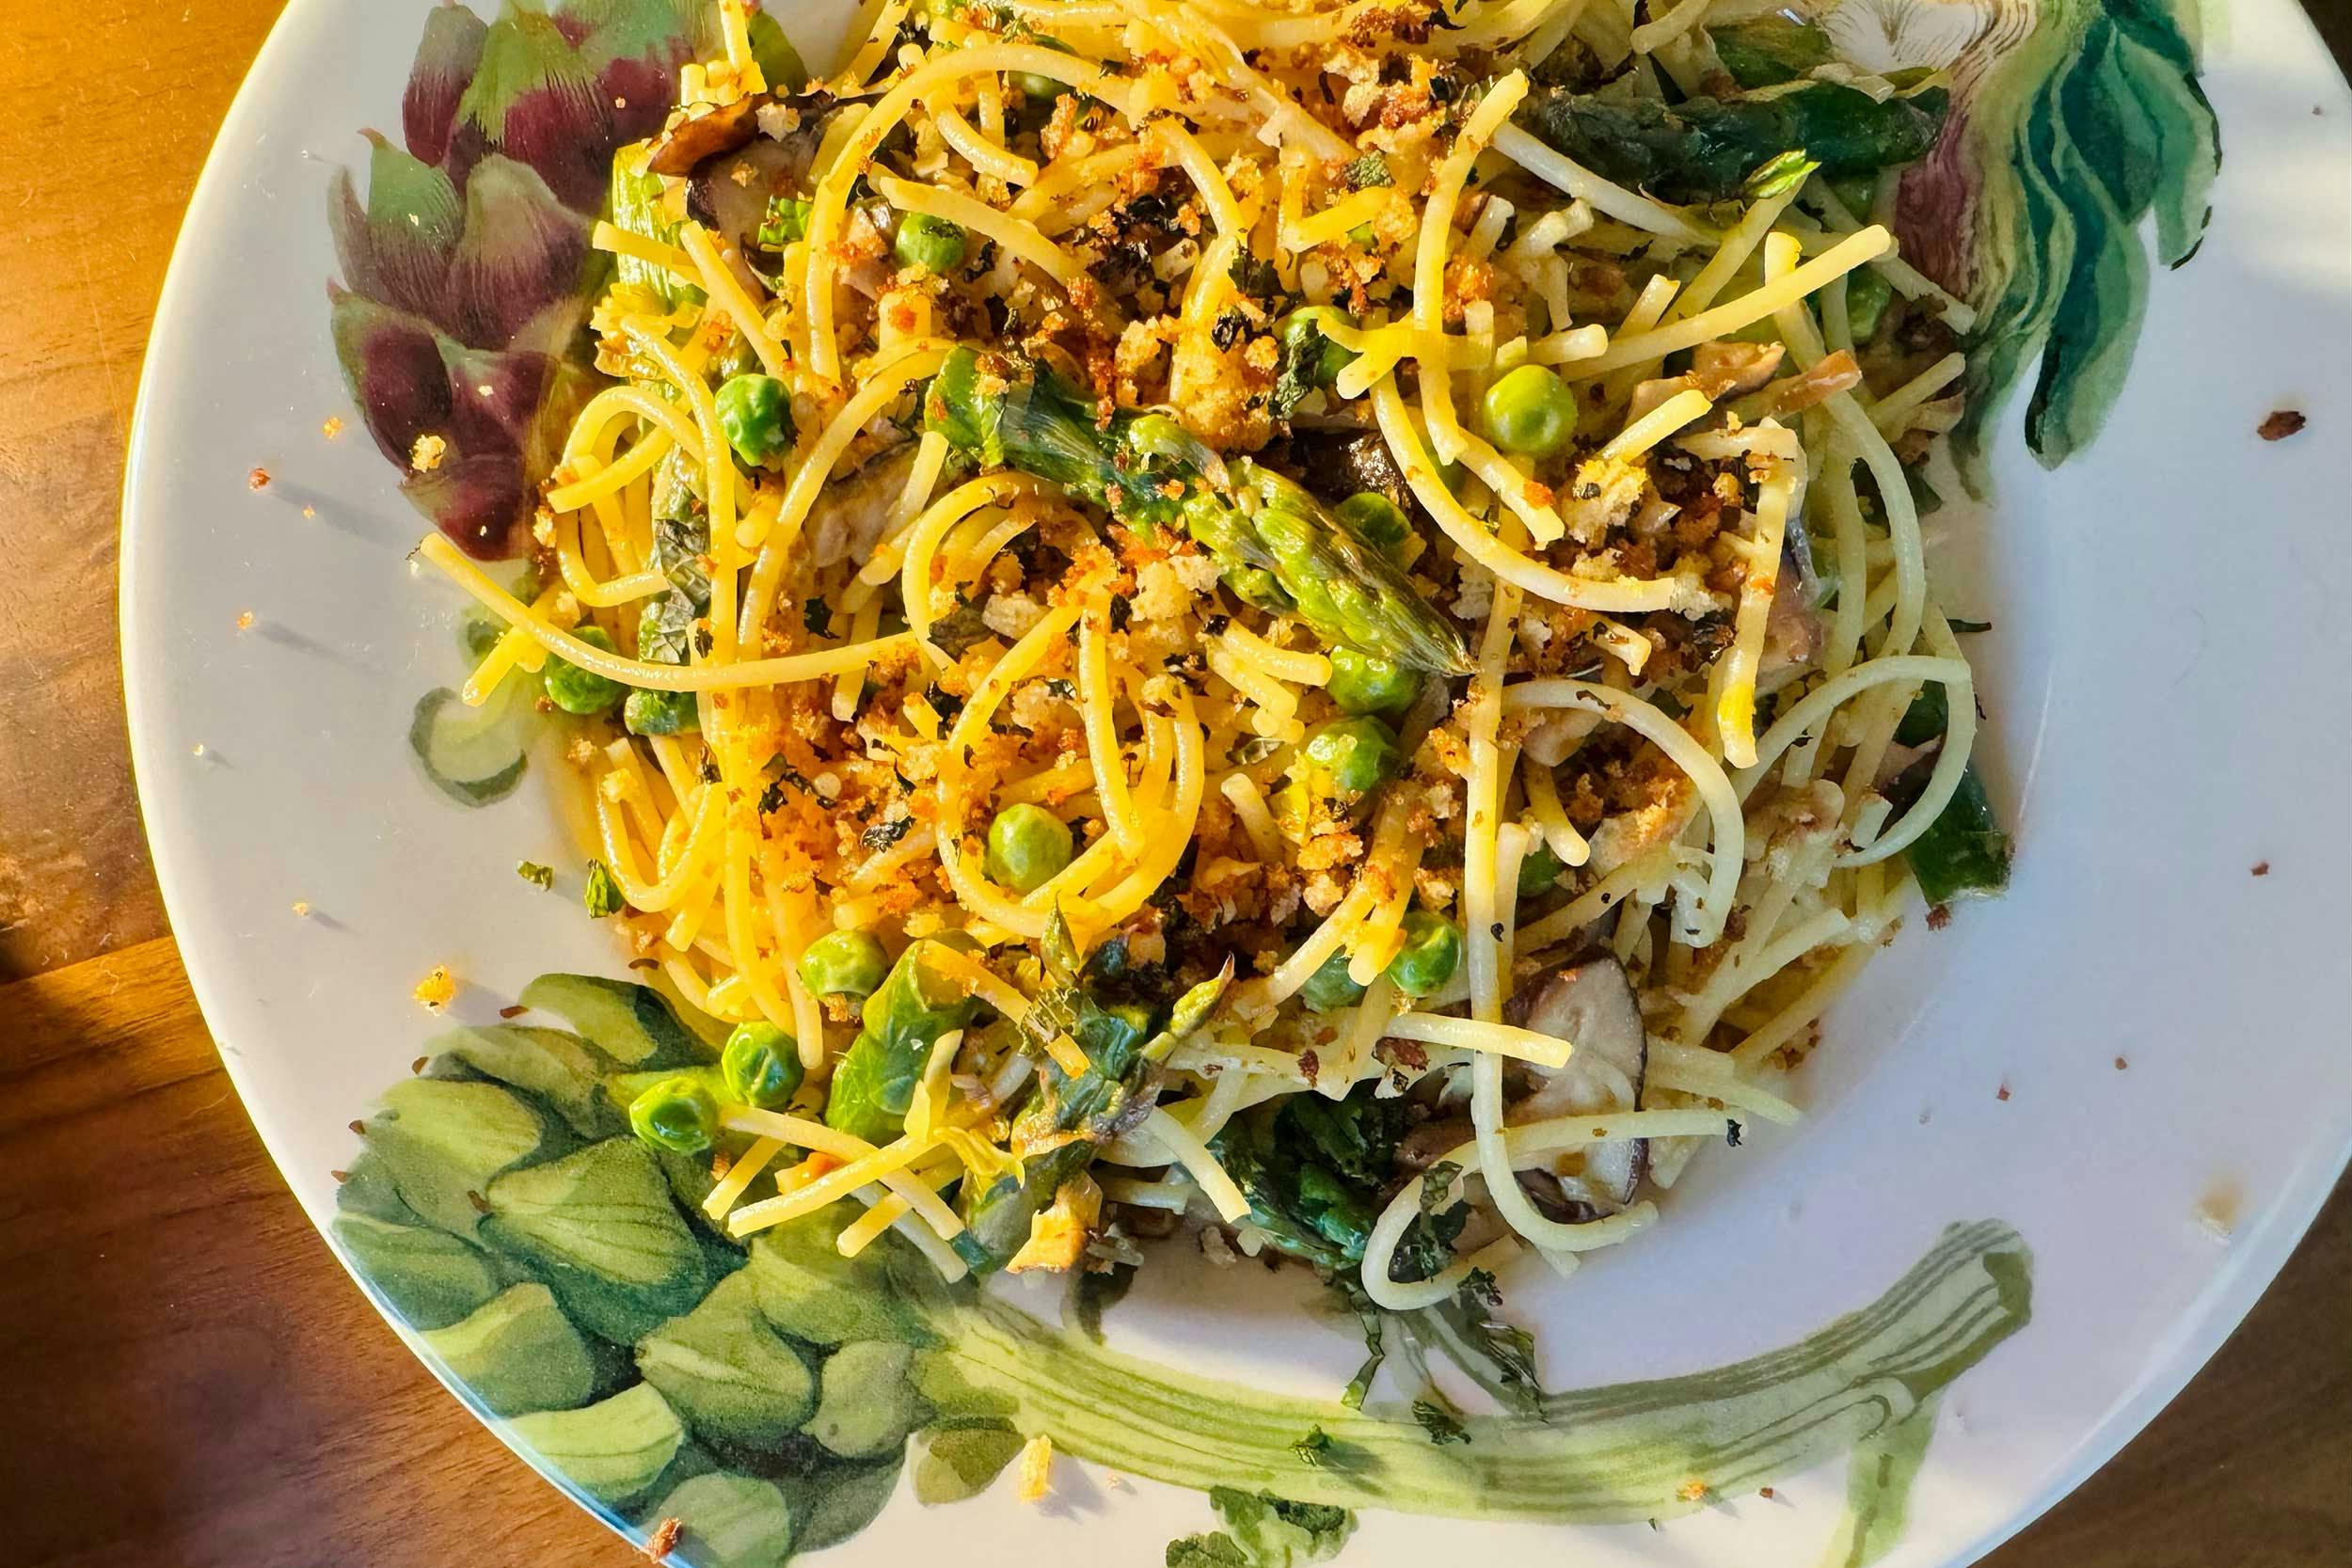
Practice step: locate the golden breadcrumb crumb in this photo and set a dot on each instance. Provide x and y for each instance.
(437, 989)
(427, 453)
(302, 909)
(244, 620)
(332, 428)
(1035, 1473)
(256, 479)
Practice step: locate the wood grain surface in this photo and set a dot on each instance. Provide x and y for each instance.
(192, 1381)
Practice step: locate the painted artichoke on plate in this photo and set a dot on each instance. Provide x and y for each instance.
(467, 271)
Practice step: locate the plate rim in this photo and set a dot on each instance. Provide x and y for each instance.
(2197, 1333)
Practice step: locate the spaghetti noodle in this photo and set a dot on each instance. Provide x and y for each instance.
(1145, 608)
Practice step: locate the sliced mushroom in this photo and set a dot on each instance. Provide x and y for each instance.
(852, 511)
(1336, 466)
(683, 148)
(1794, 630)
(1593, 1006)
(730, 193)
(1725, 368)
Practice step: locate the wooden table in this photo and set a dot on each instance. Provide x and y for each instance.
(191, 1381)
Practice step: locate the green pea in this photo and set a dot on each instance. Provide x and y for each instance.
(1366, 682)
(932, 244)
(1538, 870)
(1319, 360)
(1328, 989)
(660, 713)
(849, 963)
(1375, 520)
(1868, 295)
(756, 414)
(1027, 846)
(1354, 754)
(1531, 411)
(1432, 952)
(583, 691)
(677, 1114)
(762, 1064)
(1043, 89)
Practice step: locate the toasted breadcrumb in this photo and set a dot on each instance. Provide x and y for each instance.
(436, 988)
(663, 1541)
(427, 453)
(332, 428)
(244, 620)
(1691, 1491)
(2280, 424)
(256, 479)
(1036, 1472)
(302, 909)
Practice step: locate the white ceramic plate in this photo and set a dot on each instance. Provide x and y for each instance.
(2137, 1060)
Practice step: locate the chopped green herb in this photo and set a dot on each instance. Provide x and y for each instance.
(603, 895)
(816, 617)
(1367, 171)
(532, 871)
(1255, 278)
(882, 836)
(786, 221)
(956, 632)
(1313, 1448)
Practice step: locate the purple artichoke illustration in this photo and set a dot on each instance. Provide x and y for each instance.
(468, 276)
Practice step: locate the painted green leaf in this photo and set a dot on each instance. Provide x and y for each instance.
(549, 1063)
(518, 1354)
(474, 755)
(430, 1278)
(809, 1291)
(949, 1465)
(834, 1503)
(2086, 128)
(1262, 1531)
(725, 1371)
(633, 1024)
(599, 1225)
(730, 1522)
(867, 1403)
(442, 1142)
(1879, 1479)
(613, 1449)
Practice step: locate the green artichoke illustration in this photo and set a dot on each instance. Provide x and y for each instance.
(467, 271)
(771, 1396)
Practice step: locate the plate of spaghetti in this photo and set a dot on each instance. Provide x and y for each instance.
(1261, 778)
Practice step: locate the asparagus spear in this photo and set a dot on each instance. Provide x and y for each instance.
(1278, 546)
(1066, 1117)
(902, 1020)
(1704, 148)
(1964, 852)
